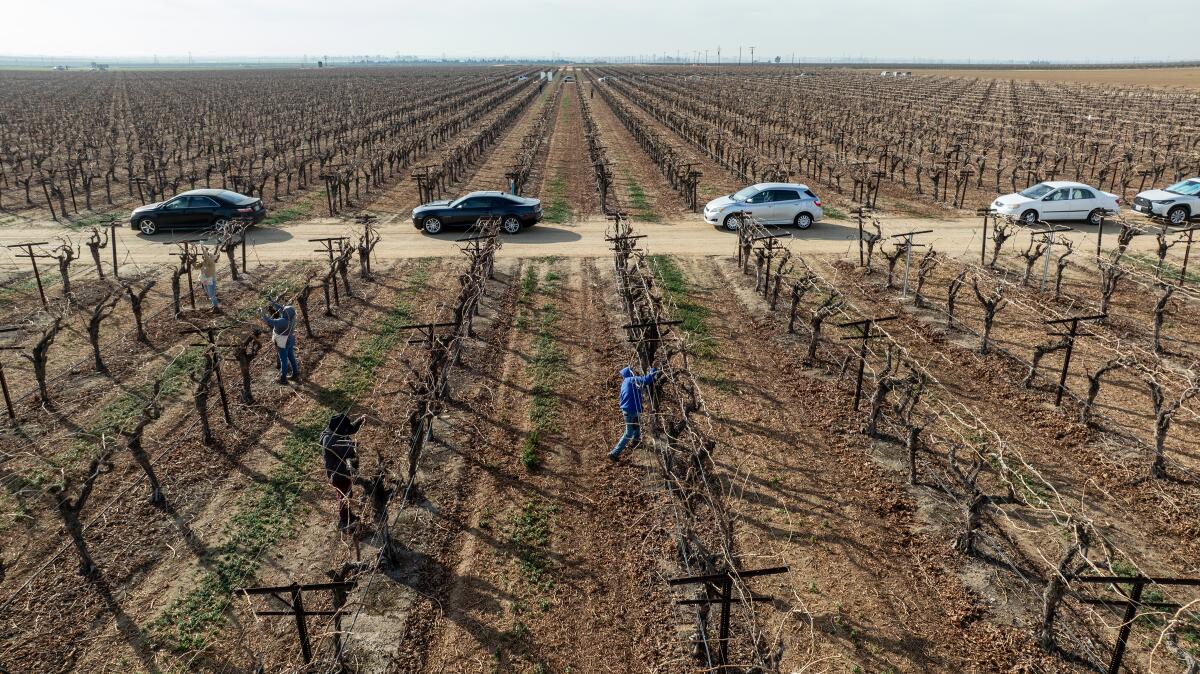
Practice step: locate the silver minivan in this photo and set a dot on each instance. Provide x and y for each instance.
(769, 203)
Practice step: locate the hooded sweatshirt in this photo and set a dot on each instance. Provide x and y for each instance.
(631, 390)
(285, 324)
(338, 445)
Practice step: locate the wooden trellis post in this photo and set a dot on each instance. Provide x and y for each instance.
(296, 608)
(986, 213)
(1187, 252)
(112, 241)
(1131, 603)
(649, 336)
(28, 248)
(1071, 334)
(718, 589)
(865, 326)
(3, 380)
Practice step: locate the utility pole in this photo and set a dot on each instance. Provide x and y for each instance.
(752, 55)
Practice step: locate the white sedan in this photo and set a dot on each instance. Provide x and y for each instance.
(1058, 200)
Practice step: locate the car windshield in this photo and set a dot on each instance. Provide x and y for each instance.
(744, 194)
(1187, 188)
(1037, 191)
(456, 202)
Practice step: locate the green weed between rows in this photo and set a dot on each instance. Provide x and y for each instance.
(121, 413)
(529, 536)
(27, 287)
(1170, 271)
(834, 213)
(293, 212)
(269, 511)
(97, 220)
(677, 290)
(557, 210)
(641, 203)
(545, 370)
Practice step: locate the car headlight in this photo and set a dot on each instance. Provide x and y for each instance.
(1165, 201)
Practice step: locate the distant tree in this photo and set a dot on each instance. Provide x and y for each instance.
(777, 59)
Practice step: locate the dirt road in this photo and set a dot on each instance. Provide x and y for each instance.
(585, 238)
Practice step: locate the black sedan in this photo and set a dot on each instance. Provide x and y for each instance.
(514, 212)
(197, 209)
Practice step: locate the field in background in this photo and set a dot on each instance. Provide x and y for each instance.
(1146, 77)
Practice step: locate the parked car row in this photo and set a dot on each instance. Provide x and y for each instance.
(778, 204)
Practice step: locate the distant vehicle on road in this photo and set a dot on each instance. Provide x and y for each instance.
(569, 78)
(514, 212)
(197, 209)
(769, 203)
(1058, 200)
(1177, 203)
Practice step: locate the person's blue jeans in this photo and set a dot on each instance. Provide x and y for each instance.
(633, 431)
(210, 289)
(287, 355)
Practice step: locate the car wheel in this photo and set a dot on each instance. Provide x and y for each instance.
(1095, 217)
(1177, 215)
(511, 224)
(147, 226)
(1029, 217)
(731, 222)
(220, 223)
(803, 221)
(431, 225)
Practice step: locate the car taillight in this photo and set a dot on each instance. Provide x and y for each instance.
(245, 210)
(818, 203)
(1118, 201)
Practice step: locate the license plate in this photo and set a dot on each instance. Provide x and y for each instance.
(1143, 209)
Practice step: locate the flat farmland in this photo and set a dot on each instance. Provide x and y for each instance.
(1186, 78)
(914, 437)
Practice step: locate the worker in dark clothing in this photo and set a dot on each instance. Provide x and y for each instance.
(340, 452)
(631, 407)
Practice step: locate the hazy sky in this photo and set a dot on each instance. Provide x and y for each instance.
(936, 29)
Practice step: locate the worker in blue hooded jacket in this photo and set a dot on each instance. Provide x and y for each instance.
(631, 407)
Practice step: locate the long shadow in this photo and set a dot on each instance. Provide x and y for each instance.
(126, 626)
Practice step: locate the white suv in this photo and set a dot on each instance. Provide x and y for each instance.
(1178, 203)
(769, 203)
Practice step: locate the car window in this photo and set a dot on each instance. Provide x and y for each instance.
(1057, 195)
(202, 202)
(473, 202)
(1082, 194)
(1036, 192)
(785, 195)
(181, 202)
(810, 194)
(760, 198)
